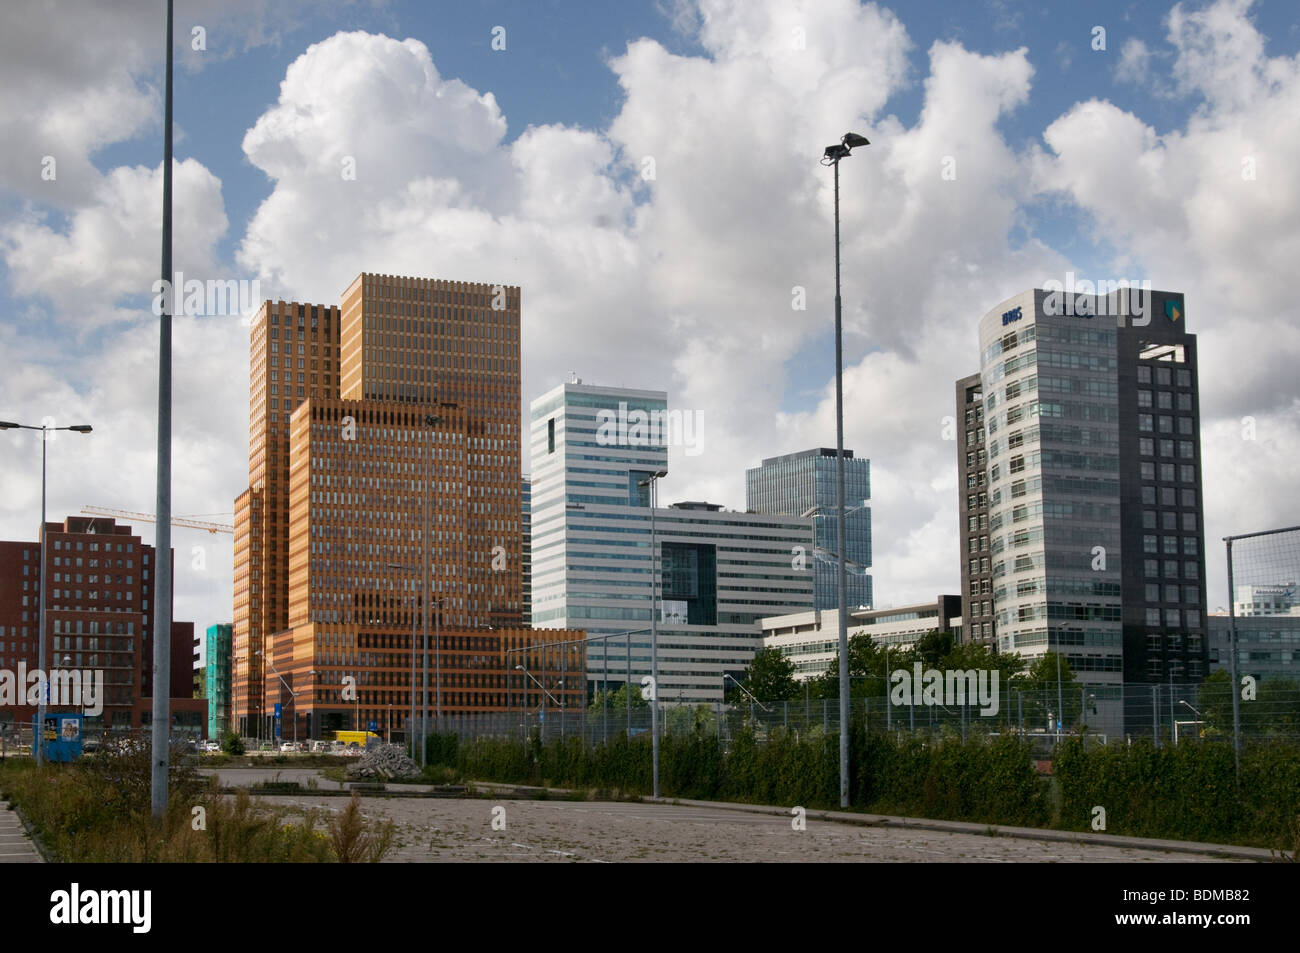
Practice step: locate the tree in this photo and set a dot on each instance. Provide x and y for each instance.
(232, 744)
(1215, 702)
(617, 699)
(1039, 686)
(690, 719)
(770, 676)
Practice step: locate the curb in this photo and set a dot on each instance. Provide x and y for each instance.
(1225, 851)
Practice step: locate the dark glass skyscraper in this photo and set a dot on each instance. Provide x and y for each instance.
(803, 484)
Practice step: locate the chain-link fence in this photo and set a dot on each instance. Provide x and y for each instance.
(1108, 714)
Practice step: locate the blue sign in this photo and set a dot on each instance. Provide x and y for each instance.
(277, 709)
(373, 726)
(1012, 315)
(61, 739)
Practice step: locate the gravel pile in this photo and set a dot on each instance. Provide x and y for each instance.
(384, 761)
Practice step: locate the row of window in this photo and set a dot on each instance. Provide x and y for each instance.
(1164, 375)
(1164, 400)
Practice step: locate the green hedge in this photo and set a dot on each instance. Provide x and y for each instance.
(1185, 793)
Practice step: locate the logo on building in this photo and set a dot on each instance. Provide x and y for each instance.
(1173, 309)
(1009, 316)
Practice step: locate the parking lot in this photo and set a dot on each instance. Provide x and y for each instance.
(461, 829)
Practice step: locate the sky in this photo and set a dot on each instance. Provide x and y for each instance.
(648, 173)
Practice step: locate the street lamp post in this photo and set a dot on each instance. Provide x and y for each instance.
(292, 694)
(652, 482)
(832, 156)
(41, 579)
(542, 688)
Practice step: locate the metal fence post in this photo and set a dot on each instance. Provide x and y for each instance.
(1155, 713)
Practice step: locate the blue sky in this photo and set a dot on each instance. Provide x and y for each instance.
(523, 165)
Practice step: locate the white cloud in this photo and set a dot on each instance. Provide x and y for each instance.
(684, 281)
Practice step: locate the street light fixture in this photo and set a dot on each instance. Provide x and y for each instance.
(40, 591)
(545, 693)
(293, 694)
(832, 156)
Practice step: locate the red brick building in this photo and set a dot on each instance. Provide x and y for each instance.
(98, 590)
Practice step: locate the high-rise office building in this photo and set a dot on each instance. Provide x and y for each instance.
(973, 514)
(594, 449)
(384, 498)
(1096, 537)
(804, 484)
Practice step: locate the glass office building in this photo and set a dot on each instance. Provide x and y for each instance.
(803, 484)
(720, 572)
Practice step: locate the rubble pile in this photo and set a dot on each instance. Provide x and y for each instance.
(384, 762)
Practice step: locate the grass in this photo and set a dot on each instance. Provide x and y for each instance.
(98, 811)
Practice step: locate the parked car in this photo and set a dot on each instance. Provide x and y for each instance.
(288, 746)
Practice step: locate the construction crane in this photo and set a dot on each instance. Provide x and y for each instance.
(151, 518)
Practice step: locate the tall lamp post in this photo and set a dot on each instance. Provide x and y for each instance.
(652, 481)
(832, 156)
(41, 580)
(292, 694)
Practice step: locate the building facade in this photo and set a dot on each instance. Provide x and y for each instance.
(393, 489)
(596, 541)
(804, 484)
(810, 640)
(98, 578)
(1094, 484)
(217, 645)
(1268, 646)
(973, 514)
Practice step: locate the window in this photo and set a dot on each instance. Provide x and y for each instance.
(1193, 619)
(1184, 377)
(1163, 376)
(1151, 567)
(1145, 422)
(1189, 522)
(1191, 593)
(1189, 546)
(1186, 449)
(1153, 642)
(1171, 593)
(1164, 400)
(1144, 374)
(1166, 448)
(1188, 497)
(1149, 496)
(1173, 617)
(1153, 617)
(1153, 592)
(1144, 398)
(1185, 402)
(1149, 544)
(1167, 496)
(1171, 544)
(1171, 568)
(1167, 472)
(1148, 471)
(1191, 569)
(1148, 519)
(1166, 423)
(1185, 426)
(1169, 520)
(1187, 474)
(1146, 446)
